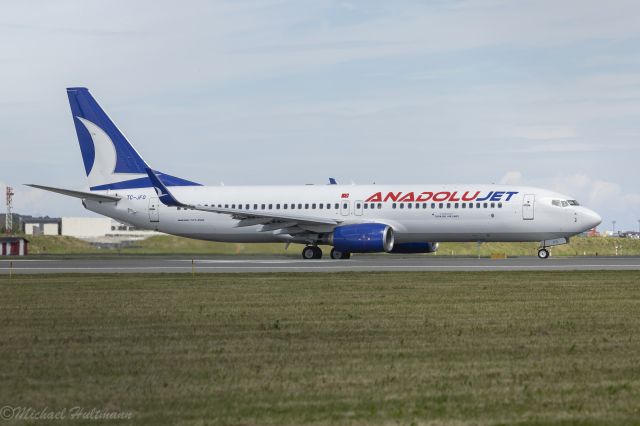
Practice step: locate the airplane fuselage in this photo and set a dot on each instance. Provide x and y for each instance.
(417, 213)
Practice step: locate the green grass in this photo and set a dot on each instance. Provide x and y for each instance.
(355, 348)
(167, 244)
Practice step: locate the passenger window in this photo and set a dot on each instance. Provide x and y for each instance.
(393, 205)
(441, 205)
(247, 207)
(306, 206)
(499, 205)
(285, 206)
(270, 206)
(493, 205)
(409, 205)
(277, 206)
(379, 205)
(366, 206)
(328, 206)
(424, 205)
(417, 205)
(337, 206)
(486, 205)
(313, 206)
(320, 206)
(226, 206)
(448, 205)
(263, 206)
(401, 206)
(345, 206)
(456, 205)
(255, 207)
(299, 206)
(470, 205)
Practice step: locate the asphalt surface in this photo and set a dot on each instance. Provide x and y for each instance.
(281, 264)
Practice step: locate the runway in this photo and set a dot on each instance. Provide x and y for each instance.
(226, 264)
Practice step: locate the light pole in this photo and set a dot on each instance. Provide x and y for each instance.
(613, 231)
(639, 225)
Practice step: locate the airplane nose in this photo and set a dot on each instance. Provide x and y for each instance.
(593, 219)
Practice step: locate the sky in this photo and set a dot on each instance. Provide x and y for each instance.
(540, 93)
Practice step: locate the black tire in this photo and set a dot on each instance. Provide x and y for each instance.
(308, 253)
(543, 253)
(311, 252)
(336, 254)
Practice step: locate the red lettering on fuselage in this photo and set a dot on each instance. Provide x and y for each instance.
(374, 198)
(424, 196)
(392, 196)
(441, 196)
(466, 197)
(407, 197)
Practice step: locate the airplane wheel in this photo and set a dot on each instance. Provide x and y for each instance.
(311, 252)
(336, 254)
(543, 253)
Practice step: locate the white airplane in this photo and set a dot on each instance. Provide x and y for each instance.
(352, 219)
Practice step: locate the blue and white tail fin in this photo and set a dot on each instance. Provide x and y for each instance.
(110, 161)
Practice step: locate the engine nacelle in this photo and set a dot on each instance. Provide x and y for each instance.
(363, 238)
(415, 248)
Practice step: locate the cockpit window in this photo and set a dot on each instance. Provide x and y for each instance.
(564, 203)
(573, 203)
(555, 203)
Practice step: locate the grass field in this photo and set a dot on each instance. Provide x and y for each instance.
(167, 244)
(355, 348)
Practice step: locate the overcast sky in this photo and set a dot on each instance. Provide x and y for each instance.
(543, 93)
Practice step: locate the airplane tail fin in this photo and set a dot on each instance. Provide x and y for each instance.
(110, 161)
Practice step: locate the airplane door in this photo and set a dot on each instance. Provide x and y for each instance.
(358, 208)
(154, 212)
(344, 207)
(528, 202)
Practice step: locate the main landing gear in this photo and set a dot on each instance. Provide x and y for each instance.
(314, 252)
(543, 253)
(311, 252)
(337, 254)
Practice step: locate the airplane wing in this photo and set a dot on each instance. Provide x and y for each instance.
(270, 221)
(77, 194)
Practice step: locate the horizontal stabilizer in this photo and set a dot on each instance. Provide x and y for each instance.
(77, 194)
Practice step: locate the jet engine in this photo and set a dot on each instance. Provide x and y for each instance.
(362, 238)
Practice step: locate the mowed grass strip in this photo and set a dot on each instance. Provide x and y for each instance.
(355, 348)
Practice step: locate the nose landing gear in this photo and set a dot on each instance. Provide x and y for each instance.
(543, 253)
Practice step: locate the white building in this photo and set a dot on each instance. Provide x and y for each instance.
(41, 226)
(102, 229)
(85, 227)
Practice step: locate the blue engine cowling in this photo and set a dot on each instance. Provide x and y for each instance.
(415, 248)
(363, 238)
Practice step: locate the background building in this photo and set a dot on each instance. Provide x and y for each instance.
(14, 246)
